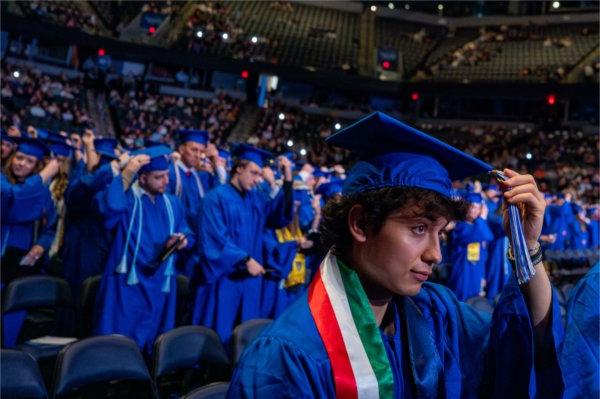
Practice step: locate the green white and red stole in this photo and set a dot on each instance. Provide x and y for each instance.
(350, 334)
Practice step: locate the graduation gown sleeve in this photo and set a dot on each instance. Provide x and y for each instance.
(579, 353)
(27, 196)
(517, 366)
(280, 210)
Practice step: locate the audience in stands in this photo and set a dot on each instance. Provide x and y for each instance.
(157, 117)
(65, 13)
(31, 97)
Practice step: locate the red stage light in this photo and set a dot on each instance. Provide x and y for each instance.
(551, 99)
(245, 74)
(414, 96)
(151, 30)
(101, 52)
(386, 64)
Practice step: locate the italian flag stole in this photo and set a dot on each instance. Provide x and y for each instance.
(350, 334)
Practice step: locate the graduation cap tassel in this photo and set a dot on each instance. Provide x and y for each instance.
(166, 288)
(122, 266)
(132, 279)
(523, 266)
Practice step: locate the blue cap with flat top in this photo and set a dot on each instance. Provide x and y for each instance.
(106, 147)
(197, 136)
(158, 158)
(394, 154)
(33, 147)
(252, 154)
(59, 147)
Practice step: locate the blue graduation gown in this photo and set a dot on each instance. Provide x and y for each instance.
(497, 270)
(306, 213)
(86, 242)
(594, 234)
(190, 187)
(579, 353)
(28, 214)
(441, 348)
(466, 275)
(278, 259)
(144, 310)
(231, 228)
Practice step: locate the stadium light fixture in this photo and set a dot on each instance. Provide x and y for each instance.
(303, 152)
(290, 143)
(101, 52)
(16, 74)
(281, 116)
(440, 7)
(225, 35)
(254, 39)
(199, 34)
(528, 155)
(391, 6)
(337, 126)
(407, 6)
(151, 30)
(556, 4)
(551, 99)
(373, 8)
(415, 96)
(245, 74)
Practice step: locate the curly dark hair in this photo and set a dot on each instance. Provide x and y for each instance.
(378, 205)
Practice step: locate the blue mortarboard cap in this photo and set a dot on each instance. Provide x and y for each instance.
(548, 196)
(59, 147)
(328, 190)
(158, 158)
(252, 154)
(42, 134)
(151, 143)
(492, 187)
(106, 147)
(560, 196)
(8, 138)
(473, 198)
(198, 136)
(223, 153)
(394, 154)
(34, 147)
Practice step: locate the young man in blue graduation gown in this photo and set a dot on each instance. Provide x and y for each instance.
(190, 184)
(469, 241)
(27, 210)
(137, 294)
(370, 325)
(86, 243)
(234, 217)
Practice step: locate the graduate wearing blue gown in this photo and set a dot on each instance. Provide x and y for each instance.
(577, 229)
(579, 355)
(373, 327)
(190, 185)
(469, 252)
(86, 243)
(594, 230)
(234, 217)
(27, 210)
(137, 293)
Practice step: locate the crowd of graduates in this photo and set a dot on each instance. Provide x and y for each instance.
(242, 224)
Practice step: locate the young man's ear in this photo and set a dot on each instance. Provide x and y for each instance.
(356, 223)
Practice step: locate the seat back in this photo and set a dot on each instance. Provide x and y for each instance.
(217, 390)
(20, 376)
(194, 351)
(98, 360)
(481, 304)
(30, 292)
(245, 333)
(87, 304)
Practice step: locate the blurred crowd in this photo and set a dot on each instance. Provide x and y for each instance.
(30, 96)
